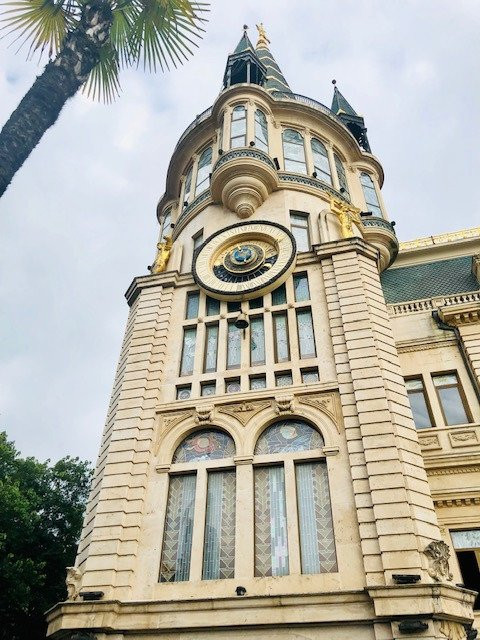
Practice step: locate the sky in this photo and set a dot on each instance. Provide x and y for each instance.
(78, 222)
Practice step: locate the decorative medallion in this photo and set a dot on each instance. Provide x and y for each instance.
(438, 553)
(245, 260)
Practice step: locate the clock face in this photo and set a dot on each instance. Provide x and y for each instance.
(245, 260)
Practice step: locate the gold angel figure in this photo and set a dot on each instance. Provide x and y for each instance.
(263, 41)
(347, 214)
(163, 253)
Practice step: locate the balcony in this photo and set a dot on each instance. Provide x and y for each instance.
(381, 234)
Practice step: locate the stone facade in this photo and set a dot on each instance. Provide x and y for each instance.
(396, 492)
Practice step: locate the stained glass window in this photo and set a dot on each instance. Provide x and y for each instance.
(257, 341)
(299, 227)
(234, 346)
(301, 288)
(211, 348)
(234, 305)
(213, 306)
(280, 328)
(279, 296)
(187, 192)
(192, 305)
(177, 538)
(219, 540)
(342, 178)
(188, 351)
(370, 194)
(287, 436)
(321, 165)
(258, 382)
(184, 392)
(208, 388)
(317, 542)
(207, 444)
(203, 172)
(310, 375)
(283, 379)
(306, 337)
(238, 136)
(232, 385)
(261, 131)
(294, 151)
(271, 542)
(255, 303)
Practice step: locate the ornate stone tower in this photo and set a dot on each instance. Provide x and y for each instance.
(260, 473)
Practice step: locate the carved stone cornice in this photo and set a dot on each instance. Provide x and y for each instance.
(244, 411)
(329, 249)
(325, 403)
(164, 280)
(458, 314)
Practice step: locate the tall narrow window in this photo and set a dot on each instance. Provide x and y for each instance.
(257, 341)
(306, 337)
(197, 240)
(177, 538)
(211, 348)
(219, 539)
(451, 398)
(234, 346)
(280, 331)
(213, 306)
(192, 305)
(418, 403)
(238, 136)
(220, 134)
(467, 548)
(370, 194)
(294, 151)
(261, 131)
(300, 287)
(204, 169)
(279, 295)
(271, 544)
(342, 178)
(187, 192)
(166, 224)
(321, 165)
(317, 542)
(188, 351)
(299, 226)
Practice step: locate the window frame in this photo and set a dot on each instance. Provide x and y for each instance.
(256, 124)
(286, 158)
(196, 192)
(232, 120)
(461, 393)
(327, 157)
(374, 187)
(421, 378)
(306, 216)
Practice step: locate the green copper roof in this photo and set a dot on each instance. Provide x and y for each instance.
(340, 104)
(244, 44)
(275, 80)
(428, 280)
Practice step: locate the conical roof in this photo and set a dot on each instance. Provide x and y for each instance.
(340, 104)
(275, 80)
(244, 44)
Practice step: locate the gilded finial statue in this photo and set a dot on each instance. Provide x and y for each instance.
(347, 214)
(163, 253)
(263, 41)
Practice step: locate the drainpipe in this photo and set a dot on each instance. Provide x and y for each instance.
(468, 365)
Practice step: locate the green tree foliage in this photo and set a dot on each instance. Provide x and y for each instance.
(41, 512)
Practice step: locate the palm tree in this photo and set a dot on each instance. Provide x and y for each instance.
(88, 42)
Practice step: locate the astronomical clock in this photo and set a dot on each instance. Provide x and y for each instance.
(244, 261)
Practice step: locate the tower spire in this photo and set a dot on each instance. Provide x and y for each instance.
(275, 80)
(351, 119)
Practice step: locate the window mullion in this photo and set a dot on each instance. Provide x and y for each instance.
(199, 525)
(292, 518)
(244, 524)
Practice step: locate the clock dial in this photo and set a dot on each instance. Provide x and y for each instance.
(245, 260)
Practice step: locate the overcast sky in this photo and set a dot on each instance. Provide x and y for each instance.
(78, 222)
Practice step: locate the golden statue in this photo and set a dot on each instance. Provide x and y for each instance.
(347, 214)
(263, 41)
(163, 253)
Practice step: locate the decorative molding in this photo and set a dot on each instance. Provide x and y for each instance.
(461, 501)
(244, 411)
(442, 238)
(428, 304)
(331, 451)
(451, 471)
(429, 442)
(463, 438)
(325, 404)
(204, 414)
(73, 582)
(462, 313)
(162, 468)
(172, 419)
(284, 404)
(422, 344)
(438, 553)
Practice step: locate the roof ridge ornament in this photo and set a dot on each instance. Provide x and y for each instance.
(263, 41)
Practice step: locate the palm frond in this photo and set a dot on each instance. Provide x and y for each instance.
(42, 23)
(161, 31)
(103, 82)
(123, 17)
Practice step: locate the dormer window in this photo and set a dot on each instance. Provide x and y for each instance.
(238, 135)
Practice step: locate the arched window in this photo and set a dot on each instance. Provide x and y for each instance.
(166, 224)
(321, 165)
(203, 172)
(370, 194)
(294, 151)
(261, 131)
(342, 178)
(238, 134)
(187, 191)
(198, 482)
(220, 133)
(287, 464)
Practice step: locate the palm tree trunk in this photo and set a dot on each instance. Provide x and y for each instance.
(60, 80)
